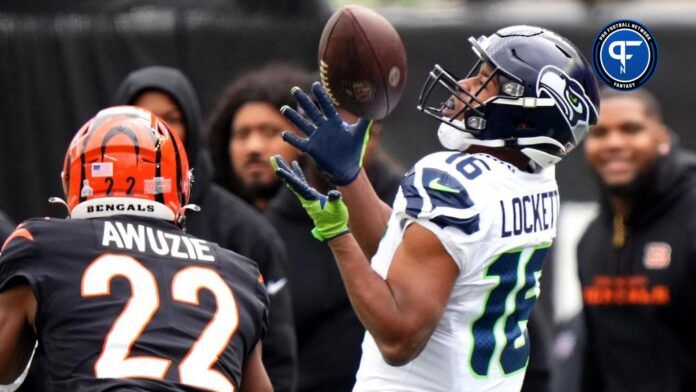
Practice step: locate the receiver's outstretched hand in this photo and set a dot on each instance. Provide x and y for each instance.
(328, 212)
(336, 146)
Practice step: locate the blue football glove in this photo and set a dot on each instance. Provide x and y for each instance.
(329, 214)
(336, 146)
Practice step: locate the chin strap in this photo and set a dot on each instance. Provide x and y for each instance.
(58, 200)
(453, 138)
(181, 214)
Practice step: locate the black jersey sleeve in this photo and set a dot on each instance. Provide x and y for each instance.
(18, 260)
(262, 295)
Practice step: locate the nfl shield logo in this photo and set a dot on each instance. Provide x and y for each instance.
(361, 91)
(657, 255)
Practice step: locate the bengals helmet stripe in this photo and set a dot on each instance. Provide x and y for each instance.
(180, 147)
(126, 153)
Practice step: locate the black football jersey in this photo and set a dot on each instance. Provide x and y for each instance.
(136, 304)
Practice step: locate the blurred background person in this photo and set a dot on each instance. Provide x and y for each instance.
(244, 133)
(637, 259)
(224, 218)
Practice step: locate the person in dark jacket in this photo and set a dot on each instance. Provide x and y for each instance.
(245, 132)
(223, 218)
(637, 259)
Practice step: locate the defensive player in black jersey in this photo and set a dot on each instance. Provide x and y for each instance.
(118, 296)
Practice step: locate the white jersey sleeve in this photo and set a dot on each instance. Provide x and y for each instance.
(436, 197)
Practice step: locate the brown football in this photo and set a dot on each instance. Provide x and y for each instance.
(362, 61)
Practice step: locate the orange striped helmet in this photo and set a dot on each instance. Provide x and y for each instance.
(126, 161)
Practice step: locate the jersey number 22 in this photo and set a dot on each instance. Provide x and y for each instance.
(195, 369)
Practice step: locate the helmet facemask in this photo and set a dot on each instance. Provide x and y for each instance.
(471, 105)
(442, 92)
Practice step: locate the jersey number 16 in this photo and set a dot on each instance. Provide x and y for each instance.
(503, 322)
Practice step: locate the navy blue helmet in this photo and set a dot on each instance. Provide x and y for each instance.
(547, 101)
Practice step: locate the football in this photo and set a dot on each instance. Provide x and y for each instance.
(362, 62)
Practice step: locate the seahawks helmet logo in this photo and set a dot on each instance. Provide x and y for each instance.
(570, 97)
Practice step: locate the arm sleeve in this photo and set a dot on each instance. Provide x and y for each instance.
(17, 260)
(262, 295)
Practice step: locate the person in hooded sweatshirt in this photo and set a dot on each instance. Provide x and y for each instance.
(224, 218)
(637, 259)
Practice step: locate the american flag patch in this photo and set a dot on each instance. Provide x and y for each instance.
(657, 255)
(102, 169)
(158, 185)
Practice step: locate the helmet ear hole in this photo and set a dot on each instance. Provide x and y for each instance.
(522, 123)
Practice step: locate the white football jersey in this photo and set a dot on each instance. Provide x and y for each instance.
(497, 222)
